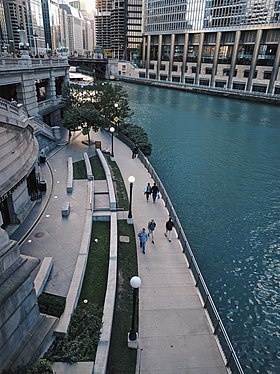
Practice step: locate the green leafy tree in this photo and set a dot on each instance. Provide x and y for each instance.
(84, 117)
(112, 101)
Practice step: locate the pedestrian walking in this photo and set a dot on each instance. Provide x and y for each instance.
(143, 237)
(151, 228)
(148, 191)
(135, 152)
(155, 192)
(168, 228)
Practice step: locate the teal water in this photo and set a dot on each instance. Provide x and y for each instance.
(219, 160)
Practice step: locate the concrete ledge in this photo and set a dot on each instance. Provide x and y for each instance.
(90, 195)
(69, 183)
(88, 167)
(65, 210)
(112, 196)
(77, 279)
(43, 275)
(102, 353)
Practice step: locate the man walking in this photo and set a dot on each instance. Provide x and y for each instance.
(143, 236)
(168, 228)
(155, 191)
(151, 228)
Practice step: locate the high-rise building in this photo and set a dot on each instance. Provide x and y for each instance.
(118, 27)
(231, 44)
(134, 30)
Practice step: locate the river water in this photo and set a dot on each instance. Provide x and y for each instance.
(219, 160)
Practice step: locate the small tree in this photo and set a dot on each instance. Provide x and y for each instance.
(84, 117)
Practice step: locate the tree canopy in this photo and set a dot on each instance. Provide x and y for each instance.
(102, 105)
(97, 105)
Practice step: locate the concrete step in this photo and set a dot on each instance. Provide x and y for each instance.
(35, 343)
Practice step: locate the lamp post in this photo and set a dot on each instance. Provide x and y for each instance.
(116, 118)
(135, 283)
(112, 130)
(131, 180)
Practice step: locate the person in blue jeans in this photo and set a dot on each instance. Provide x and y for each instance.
(151, 228)
(143, 237)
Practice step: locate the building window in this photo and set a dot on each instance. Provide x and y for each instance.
(208, 71)
(277, 91)
(162, 67)
(194, 69)
(152, 66)
(259, 88)
(238, 86)
(189, 80)
(266, 74)
(247, 72)
(227, 71)
(220, 84)
(204, 82)
(175, 79)
(142, 75)
(152, 76)
(163, 77)
(174, 68)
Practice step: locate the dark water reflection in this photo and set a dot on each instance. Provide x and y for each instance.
(219, 160)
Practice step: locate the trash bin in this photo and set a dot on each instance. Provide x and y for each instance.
(42, 159)
(43, 185)
(97, 144)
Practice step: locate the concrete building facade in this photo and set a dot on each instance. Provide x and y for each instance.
(221, 43)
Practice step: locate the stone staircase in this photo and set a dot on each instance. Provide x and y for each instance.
(35, 343)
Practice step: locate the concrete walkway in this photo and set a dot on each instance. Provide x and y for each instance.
(175, 336)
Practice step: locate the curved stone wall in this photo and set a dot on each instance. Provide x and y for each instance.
(18, 158)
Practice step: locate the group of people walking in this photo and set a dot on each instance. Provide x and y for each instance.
(145, 235)
(151, 190)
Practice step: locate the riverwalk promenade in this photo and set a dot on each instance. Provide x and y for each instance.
(174, 333)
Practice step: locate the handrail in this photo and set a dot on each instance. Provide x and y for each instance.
(230, 357)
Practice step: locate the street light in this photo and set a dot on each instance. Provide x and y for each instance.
(135, 283)
(131, 180)
(112, 130)
(116, 119)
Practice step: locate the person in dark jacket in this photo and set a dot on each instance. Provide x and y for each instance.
(168, 228)
(155, 191)
(151, 228)
(134, 152)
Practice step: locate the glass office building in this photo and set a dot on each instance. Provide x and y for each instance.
(231, 44)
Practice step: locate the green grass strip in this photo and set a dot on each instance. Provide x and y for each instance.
(122, 198)
(79, 170)
(121, 358)
(97, 168)
(95, 280)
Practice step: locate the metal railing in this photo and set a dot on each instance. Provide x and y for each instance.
(230, 358)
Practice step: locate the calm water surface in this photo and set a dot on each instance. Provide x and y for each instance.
(219, 160)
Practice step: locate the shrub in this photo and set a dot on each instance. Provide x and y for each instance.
(80, 344)
(139, 137)
(51, 304)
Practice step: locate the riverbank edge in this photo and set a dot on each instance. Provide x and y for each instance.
(268, 99)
